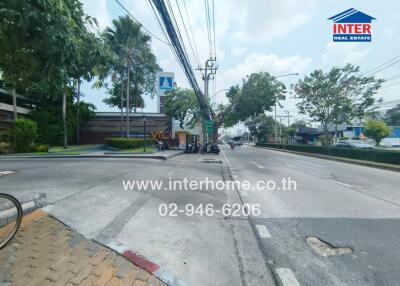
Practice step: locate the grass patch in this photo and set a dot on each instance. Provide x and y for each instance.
(74, 147)
(149, 150)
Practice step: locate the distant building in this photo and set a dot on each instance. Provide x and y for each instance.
(24, 106)
(108, 124)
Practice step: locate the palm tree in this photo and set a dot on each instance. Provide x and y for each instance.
(135, 64)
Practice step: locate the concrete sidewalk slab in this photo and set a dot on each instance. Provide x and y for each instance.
(159, 155)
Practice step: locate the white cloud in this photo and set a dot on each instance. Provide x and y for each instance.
(99, 11)
(337, 54)
(260, 20)
(238, 51)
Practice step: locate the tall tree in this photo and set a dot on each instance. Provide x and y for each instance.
(261, 126)
(392, 116)
(116, 96)
(337, 96)
(90, 55)
(259, 93)
(43, 37)
(181, 104)
(134, 62)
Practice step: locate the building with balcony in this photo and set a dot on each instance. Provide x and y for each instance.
(24, 106)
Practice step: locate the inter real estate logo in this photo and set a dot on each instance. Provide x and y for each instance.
(352, 26)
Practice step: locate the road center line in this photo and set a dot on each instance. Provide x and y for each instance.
(342, 184)
(6, 172)
(291, 166)
(263, 231)
(257, 165)
(287, 277)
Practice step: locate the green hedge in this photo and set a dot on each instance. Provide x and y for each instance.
(381, 156)
(128, 143)
(23, 134)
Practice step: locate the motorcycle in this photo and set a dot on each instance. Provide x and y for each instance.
(189, 149)
(210, 148)
(232, 145)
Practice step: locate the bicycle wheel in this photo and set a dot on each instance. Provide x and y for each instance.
(10, 218)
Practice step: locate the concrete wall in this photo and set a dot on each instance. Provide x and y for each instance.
(107, 124)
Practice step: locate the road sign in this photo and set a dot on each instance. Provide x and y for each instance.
(209, 123)
(165, 83)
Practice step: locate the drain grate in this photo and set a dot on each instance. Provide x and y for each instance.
(325, 249)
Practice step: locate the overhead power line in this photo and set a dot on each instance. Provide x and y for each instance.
(137, 21)
(213, 16)
(180, 53)
(187, 35)
(164, 32)
(394, 84)
(207, 13)
(383, 66)
(191, 30)
(392, 78)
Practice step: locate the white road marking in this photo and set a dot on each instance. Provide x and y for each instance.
(263, 231)
(342, 184)
(291, 166)
(287, 277)
(244, 193)
(6, 172)
(257, 165)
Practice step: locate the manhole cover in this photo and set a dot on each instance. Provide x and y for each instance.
(210, 160)
(325, 249)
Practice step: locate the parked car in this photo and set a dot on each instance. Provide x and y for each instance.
(237, 141)
(356, 144)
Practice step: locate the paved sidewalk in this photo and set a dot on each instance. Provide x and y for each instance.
(46, 252)
(163, 155)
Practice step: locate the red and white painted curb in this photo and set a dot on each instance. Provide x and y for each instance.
(141, 261)
(145, 264)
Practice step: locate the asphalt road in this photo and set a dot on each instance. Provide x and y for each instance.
(343, 205)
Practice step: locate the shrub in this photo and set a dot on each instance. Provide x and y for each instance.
(377, 130)
(128, 143)
(42, 148)
(5, 137)
(50, 123)
(381, 156)
(23, 135)
(5, 148)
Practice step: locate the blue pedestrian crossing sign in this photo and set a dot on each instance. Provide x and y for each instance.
(165, 83)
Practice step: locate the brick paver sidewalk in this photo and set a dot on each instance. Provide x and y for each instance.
(46, 252)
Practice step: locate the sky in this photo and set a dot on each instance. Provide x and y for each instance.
(278, 37)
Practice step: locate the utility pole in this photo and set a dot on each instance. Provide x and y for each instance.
(276, 129)
(288, 118)
(128, 102)
(209, 71)
(280, 126)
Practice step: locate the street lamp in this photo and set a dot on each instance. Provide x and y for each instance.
(144, 133)
(275, 129)
(224, 89)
